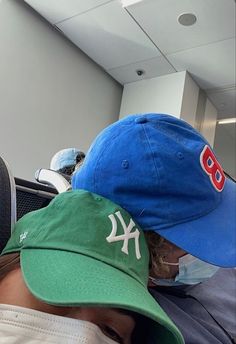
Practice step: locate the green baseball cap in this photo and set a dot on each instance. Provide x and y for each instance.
(84, 250)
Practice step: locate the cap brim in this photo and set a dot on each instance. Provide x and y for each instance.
(68, 279)
(212, 237)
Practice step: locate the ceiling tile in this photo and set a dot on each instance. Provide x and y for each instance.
(57, 10)
(224, 100)
(152, 68)
(211, 65)
(215, 21)
(109, 36)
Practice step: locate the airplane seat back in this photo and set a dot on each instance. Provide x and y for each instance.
(17, 198)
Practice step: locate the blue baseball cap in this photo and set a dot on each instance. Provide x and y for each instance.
(164, 173)
(65, 158)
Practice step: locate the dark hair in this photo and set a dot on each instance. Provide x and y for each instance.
(158, 250)
(8, 263)
(80, 156)
(68, 170)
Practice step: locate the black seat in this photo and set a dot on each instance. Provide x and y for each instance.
(32, 196)
(7, 203)
(17, 198)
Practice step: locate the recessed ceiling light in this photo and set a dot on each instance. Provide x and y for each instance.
(227, 120)
(126, 3)
(187, 19)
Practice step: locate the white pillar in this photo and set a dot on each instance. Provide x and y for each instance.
(162, 94)
(176, 94)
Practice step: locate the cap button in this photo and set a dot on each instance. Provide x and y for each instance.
(141, 119)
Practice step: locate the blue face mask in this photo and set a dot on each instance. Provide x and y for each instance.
(191, 271)
(164, 282)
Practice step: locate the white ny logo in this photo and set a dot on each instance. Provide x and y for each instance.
(127, 234)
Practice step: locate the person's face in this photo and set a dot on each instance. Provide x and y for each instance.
(116, 324)
(172, 255)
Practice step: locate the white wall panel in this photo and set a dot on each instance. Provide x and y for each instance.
(209, 123)
(52, 96)
(189, 101)
(163, 95)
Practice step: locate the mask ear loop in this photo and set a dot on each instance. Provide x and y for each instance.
(153, 280)
(172, 264)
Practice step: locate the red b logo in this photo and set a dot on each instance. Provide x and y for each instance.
(211, 166)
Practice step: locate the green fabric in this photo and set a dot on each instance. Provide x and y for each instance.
(73, 252)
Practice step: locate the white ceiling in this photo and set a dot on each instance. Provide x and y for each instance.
(147, 36)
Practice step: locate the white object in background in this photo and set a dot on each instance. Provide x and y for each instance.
(50, 177)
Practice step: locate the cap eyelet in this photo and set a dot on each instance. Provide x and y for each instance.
(125, 164)
(180, 155)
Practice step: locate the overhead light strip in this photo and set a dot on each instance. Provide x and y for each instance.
(227, 121)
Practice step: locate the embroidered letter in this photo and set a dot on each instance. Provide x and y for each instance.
(127, 234)
(23, 236)
(212, 168)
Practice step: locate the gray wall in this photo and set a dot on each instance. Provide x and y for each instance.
(225, 147)
(52, 95)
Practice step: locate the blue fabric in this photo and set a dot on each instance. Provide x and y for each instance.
(64, 158)
(151, 165)
(205, 313)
